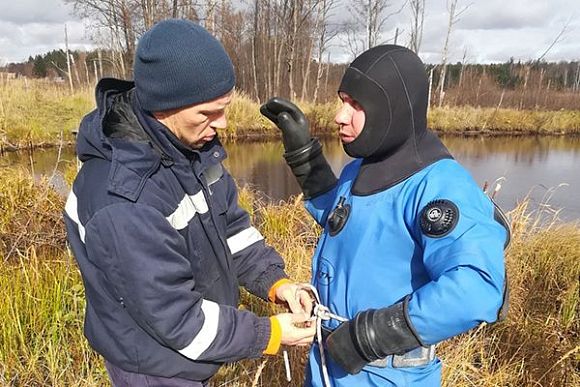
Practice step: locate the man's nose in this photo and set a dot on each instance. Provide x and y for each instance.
(342, 116)
(220, 122)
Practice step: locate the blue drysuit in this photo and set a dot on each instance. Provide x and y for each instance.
(411, 253)
(453, 282)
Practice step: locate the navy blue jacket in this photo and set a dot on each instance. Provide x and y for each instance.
(162, 246)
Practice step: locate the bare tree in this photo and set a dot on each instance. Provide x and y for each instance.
(114, 24)
(324, 37)
(148, 8)
(463, 60)
(210, 15)
(556, 40)
(255, 48)
(278, 47)
(175, 9)
(68, 58)
(367, 23)
(417, 19)
(319, 26)
(300, 12)
(453, 19)
(576, 86)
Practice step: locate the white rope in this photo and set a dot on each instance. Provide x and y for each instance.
(320, 313)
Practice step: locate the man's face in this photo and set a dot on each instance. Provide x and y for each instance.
(197, 124)
(350, 119)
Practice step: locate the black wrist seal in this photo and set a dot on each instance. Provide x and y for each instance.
(372, 335)
(311, 169)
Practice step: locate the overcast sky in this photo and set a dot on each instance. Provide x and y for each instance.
(488, 31)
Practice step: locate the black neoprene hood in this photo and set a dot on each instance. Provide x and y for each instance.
(390, 83)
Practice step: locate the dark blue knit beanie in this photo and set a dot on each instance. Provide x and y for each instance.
(178, 63)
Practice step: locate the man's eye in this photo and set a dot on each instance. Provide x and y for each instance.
(213, 114)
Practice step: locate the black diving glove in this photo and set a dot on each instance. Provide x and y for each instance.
(291, 122)
(303, 153)
(372, 335)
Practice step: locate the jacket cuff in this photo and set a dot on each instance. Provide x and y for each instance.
(267, 280)
(274, 288)
(275, 337)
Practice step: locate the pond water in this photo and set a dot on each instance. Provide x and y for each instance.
(545, 169)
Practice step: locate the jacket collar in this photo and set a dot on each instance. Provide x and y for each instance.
(141, 145)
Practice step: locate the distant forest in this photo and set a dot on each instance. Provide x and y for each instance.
(280, 47)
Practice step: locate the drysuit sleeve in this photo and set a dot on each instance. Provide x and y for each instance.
(145, 260)
(462, 248)
(258, 265)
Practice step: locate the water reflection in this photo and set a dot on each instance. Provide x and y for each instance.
(262, 166)
(541, 168)
(530, 165)
(50, 162)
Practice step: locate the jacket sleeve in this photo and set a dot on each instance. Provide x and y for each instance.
(466, 266)
(145, 260)
(258, 265)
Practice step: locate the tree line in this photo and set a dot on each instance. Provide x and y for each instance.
(281, 47)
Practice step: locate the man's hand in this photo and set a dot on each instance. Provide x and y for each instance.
(296, 297)
(292, 334)
(290, 120)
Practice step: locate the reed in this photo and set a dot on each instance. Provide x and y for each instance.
(538, 344)
(42, 309)
(41, 337)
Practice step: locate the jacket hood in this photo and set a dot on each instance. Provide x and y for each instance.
(92, 139)
(135, 143)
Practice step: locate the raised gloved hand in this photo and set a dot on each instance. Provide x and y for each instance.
(371, 335)
(303, 153)
(291, 122)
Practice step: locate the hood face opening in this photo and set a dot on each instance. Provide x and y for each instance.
(391, 85)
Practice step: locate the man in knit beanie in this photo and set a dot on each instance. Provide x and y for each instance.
(155, 227)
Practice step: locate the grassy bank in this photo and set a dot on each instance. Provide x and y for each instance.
(34, 113)
(42, 306)
(37, 113)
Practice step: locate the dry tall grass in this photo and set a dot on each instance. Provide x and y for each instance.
(34, 113)
(30, 214)
(41, 311)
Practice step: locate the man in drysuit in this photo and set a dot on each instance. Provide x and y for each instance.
(411, 253)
